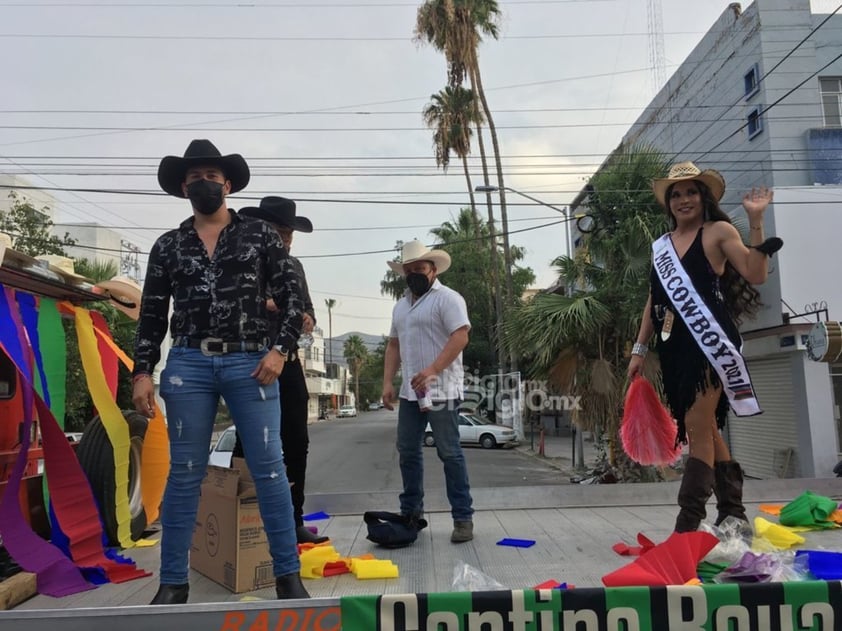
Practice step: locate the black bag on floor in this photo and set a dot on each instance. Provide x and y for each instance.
(392, 530)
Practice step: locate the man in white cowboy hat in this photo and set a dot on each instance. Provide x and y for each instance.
(217, 267)
(429, 331)
(280, 213)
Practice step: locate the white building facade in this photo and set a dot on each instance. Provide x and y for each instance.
(759, 99)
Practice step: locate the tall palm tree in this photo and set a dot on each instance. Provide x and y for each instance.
(456, 28)
(581, 343)
(330, 303)
(451, 112)
(355, 354)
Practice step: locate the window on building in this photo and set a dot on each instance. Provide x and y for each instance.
(831, 91)
(751, 82)
(755, 122)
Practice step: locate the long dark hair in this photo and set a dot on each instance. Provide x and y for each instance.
(741, 298)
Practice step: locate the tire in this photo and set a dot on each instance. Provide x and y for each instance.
(429, 441)
(487, 441)
(97, 460)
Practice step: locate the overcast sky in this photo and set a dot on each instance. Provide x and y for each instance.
(323, 98)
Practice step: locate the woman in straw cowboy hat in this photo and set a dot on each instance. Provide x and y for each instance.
(701, 285)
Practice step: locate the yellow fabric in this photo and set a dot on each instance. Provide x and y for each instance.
(112, 420)
(155, 459)
(778, 536)
(374, 568)
(313, 560)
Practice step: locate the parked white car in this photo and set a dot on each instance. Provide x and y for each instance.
(220, 454)
(475, 430)
(346, 411)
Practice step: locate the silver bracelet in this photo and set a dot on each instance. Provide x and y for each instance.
(640, 349)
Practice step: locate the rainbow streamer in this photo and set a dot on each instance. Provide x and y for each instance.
(112, 420)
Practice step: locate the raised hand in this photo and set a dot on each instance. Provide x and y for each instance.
(756, 201)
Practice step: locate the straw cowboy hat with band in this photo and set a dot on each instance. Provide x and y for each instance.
(124, 293)
(689, 171)
(63, 266)
(172, 170)
(279, 211)
(416, 251)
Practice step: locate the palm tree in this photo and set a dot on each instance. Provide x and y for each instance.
(355, 354)
(330, 303)
(581, 343)
(451, 112)
(456, 28)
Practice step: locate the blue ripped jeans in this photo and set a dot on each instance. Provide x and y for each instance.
(444, 422)
(191, 385)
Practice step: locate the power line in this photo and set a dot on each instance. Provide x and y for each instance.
(761, 80)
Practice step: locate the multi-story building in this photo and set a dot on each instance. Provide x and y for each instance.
(760, 99)
(329, 385)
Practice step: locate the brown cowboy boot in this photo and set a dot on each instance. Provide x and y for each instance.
(728, 487)
(696, 488)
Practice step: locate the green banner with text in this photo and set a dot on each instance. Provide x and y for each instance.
(794, 606)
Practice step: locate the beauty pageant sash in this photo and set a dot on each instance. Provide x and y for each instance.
(725, 358)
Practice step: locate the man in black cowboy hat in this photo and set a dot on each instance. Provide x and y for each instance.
(280, 213)
(218, 268)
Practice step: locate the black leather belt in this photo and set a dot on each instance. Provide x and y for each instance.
(217, 346)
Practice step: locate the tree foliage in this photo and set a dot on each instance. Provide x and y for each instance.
(580, 342)
(355, 353)
(30, 229)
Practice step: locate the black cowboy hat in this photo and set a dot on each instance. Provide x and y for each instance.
(279, 211)
(200, 152)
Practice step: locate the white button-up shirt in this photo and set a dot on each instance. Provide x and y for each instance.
(423, 328)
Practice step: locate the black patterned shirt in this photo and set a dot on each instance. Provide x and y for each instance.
(222, 297)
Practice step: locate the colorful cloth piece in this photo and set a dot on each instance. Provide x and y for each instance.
(778, 536)
(365, 569)
(823, 564)
(672, 562)
(623, 549)
(516, 543)
(752, 568)
(809, 510)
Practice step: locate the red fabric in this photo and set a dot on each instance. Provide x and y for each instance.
(110, 363)
(645, 542)
(74, 504)
(648, 431)
(672, 562)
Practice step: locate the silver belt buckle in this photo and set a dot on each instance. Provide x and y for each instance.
(203, 346)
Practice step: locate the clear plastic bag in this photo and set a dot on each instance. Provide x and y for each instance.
(732, 541)
(467, 578)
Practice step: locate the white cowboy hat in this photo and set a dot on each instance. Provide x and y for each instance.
(416, 251)
(63, 266)
(124, 293)
(688, 171)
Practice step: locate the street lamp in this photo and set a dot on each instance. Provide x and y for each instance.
(564, 211)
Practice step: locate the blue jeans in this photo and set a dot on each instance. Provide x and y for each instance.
(444, 421)
(191, 385)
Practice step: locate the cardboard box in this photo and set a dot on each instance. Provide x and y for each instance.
(229, 543)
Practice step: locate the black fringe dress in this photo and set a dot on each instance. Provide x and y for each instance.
(685, 369)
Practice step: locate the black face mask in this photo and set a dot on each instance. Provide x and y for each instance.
(418, 284)
(206, 196)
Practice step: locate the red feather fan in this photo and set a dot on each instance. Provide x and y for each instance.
(648, 431)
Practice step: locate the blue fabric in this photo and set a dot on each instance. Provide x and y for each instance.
(444, 422)
(191, 385)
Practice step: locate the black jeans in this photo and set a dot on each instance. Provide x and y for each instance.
(295, 440)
